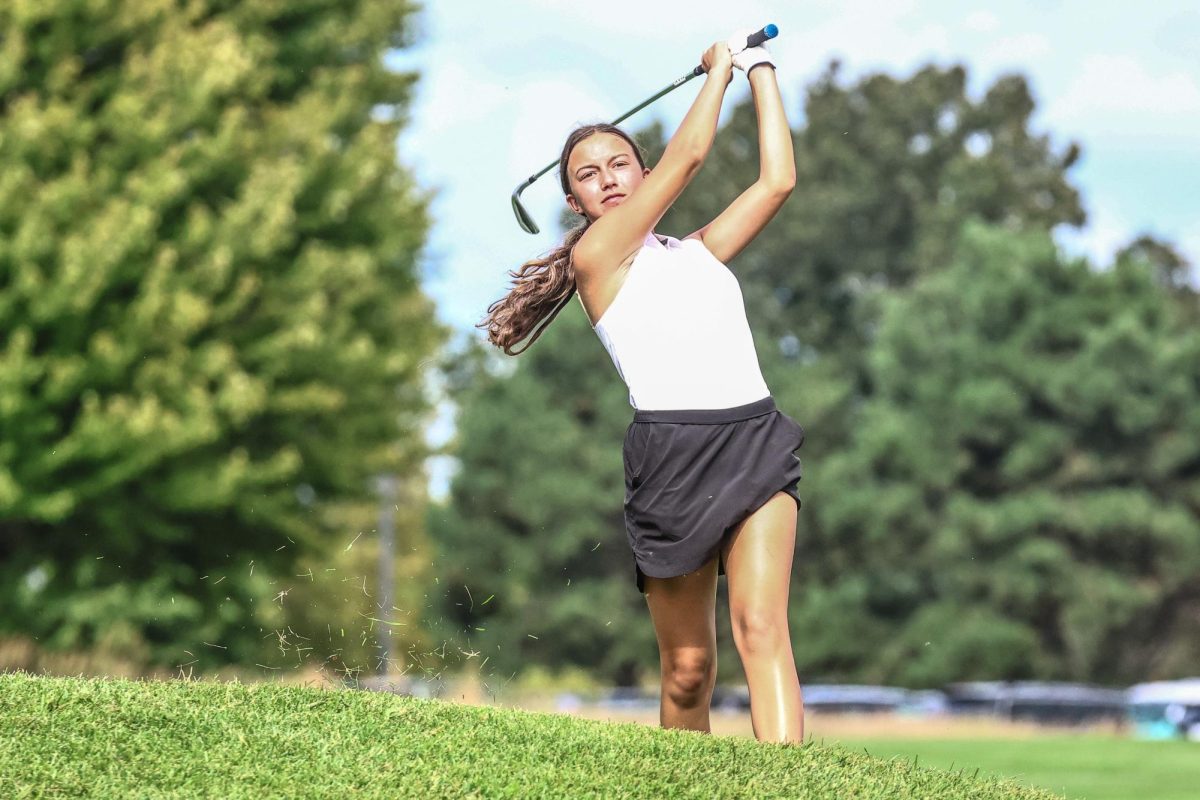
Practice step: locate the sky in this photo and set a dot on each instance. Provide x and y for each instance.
(502, 84)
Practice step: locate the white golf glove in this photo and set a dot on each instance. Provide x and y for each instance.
(747, 58)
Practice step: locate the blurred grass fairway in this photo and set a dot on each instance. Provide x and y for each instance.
(1089, 767)
(81, 737)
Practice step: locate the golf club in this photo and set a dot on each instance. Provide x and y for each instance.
(526, 222)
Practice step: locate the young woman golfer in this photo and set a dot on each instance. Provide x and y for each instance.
(710, 470)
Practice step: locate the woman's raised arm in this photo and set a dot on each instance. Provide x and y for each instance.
(737, 225)
(616, 235)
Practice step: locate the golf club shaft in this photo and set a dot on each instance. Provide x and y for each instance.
(753, 40)
(671, 87)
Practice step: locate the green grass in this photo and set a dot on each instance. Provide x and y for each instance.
(1089, 767)
(78, 737)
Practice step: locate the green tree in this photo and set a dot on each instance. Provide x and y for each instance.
(1169, 268)
(213, 329)
(1022, 493)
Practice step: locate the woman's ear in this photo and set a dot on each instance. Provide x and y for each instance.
(574, 204)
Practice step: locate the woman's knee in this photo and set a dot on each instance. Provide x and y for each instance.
(760, 631)
(689, 674)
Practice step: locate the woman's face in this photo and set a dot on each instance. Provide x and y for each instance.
(602, 166)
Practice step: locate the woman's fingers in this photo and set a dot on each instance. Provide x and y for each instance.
(717, 57)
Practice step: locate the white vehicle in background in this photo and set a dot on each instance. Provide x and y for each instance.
(1165, 709)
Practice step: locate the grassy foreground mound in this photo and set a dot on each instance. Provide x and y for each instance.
(76, 737)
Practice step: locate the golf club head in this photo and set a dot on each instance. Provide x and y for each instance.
(523, 219)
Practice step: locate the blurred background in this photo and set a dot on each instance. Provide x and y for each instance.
(248, 428)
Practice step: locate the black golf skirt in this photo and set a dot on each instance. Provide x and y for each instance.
(692, 475)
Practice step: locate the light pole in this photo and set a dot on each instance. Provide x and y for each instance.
(386, 485)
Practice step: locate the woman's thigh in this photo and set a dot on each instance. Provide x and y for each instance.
(758, 565)
(683, 610)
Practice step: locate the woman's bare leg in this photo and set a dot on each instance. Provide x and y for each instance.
(684, 613)
(758, 568)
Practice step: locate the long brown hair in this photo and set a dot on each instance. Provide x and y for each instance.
(543, 286)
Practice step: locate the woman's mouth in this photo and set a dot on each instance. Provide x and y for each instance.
(612, 200)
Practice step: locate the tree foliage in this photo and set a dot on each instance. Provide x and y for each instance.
(213, 329)
(1022, 493)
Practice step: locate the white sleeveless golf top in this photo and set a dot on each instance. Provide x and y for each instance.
(677, 331)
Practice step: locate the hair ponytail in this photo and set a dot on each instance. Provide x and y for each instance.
(543, 287)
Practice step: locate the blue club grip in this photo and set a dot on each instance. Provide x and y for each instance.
(757, 38)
